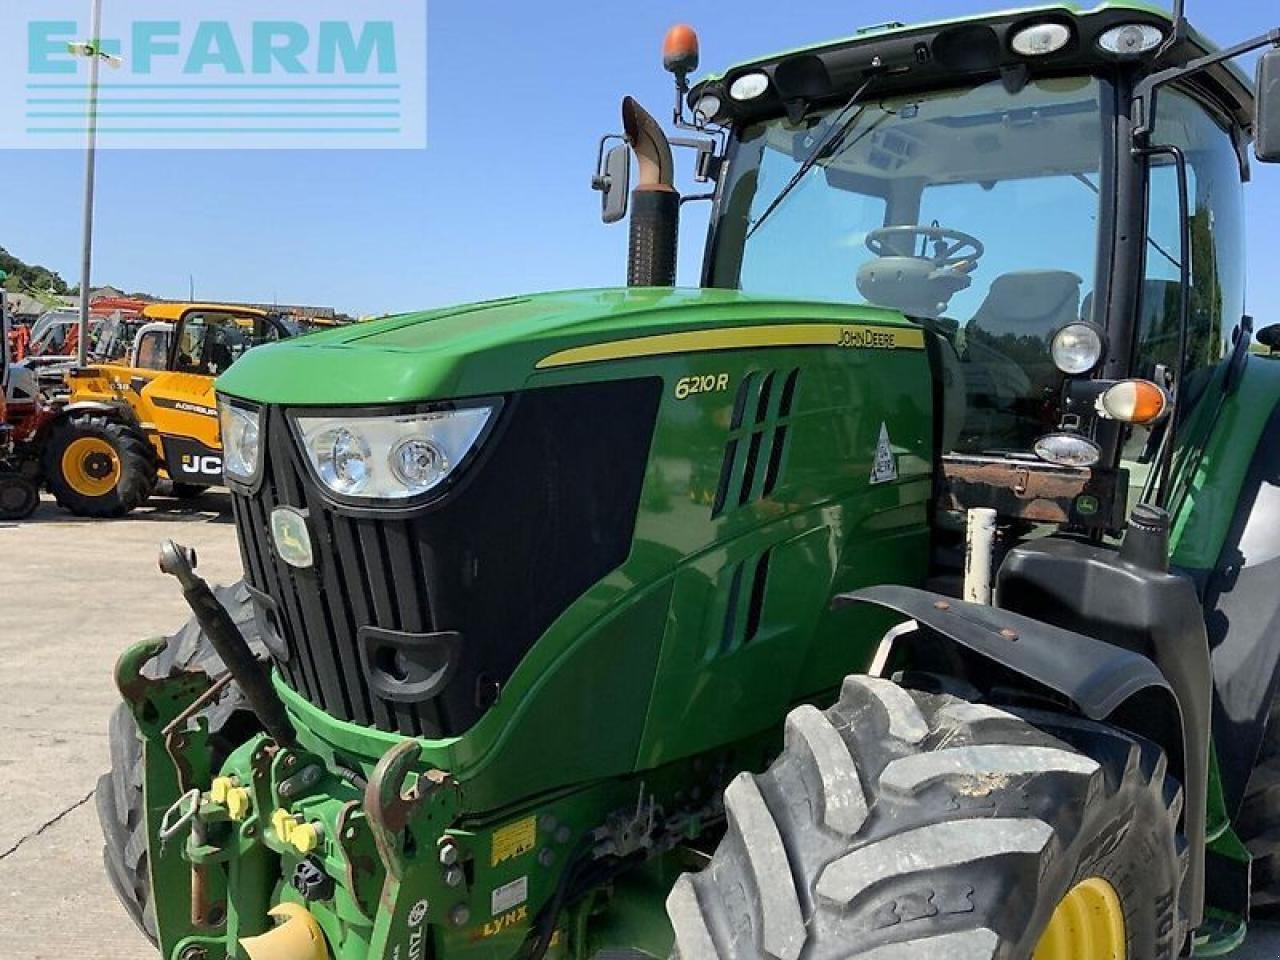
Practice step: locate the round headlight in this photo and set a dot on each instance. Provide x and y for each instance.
(418, 464)
(1040, 39)
(1068, 450)
(1077, 348)
(749, 86)
(1131, 40)
(347, 466)
(708, 107)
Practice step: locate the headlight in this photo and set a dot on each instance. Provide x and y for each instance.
(1131, 39)
(391, 457)
(241, 429)
(1068, 450)
(1077, 348)
(1040, 39)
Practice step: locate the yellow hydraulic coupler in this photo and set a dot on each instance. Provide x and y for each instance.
(297, 936)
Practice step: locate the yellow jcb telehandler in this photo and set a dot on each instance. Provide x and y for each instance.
(123, 426)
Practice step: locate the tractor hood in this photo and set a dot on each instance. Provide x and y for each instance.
(507, 345)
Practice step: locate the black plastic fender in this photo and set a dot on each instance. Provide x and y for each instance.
(1102, 680)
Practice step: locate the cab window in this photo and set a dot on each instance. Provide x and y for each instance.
(1216, 206)
(152, 349)
(212, 342)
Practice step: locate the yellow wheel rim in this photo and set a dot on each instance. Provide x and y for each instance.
(1087, 925)
(91, 466)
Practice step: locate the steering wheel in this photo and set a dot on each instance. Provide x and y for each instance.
(951, 248)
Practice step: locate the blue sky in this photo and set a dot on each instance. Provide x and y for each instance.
(498, 203)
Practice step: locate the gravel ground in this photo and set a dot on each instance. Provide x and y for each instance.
(73, 594)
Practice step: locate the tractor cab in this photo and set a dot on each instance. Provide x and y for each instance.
(997, 182)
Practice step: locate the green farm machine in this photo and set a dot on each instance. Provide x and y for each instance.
(910, 588)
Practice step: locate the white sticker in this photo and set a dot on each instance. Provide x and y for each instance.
(885, 466)
(510, 895)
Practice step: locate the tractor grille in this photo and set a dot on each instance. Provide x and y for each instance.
(457, 590)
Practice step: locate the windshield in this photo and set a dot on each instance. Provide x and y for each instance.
(974, 212)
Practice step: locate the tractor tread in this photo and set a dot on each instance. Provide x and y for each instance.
(906, 722)
(978, 944)
(954, 843)
(844, 803)
(980, 767)
(753, 827)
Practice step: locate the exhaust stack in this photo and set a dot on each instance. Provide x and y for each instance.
(655, 202)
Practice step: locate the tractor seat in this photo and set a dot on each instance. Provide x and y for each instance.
(1020, 315)
(1029, 303)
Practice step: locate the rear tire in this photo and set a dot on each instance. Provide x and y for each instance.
(119, 793)
(99, 467)
(1258, 825)
(907, 826)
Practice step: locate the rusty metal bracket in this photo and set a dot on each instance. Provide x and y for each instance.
(155, 703)
(390, 807)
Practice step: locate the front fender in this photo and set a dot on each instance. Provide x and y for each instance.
(1103, 681)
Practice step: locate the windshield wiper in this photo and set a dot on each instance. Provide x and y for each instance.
(819, 153)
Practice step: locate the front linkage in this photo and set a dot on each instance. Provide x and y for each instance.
(357, 849)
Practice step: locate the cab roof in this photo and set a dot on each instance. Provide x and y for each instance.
(961, 50)
(173, 311)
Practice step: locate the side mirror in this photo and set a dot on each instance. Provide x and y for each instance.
(1266, 128)
(613, 180)
(1269, 337)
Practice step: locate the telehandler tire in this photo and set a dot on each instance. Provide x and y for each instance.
(119, 796)
(900, 825)
(1258, 825)
(187, 491)
(99, 467)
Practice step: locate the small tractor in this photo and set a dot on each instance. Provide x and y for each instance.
(121, 426)
(908, 589)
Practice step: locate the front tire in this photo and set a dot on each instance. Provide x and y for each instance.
(99, 467)
(907, 826)
(119, 793)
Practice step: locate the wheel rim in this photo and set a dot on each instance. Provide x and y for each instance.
(91, 466)
(1088, 924)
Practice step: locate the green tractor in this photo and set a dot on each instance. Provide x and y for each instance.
(907, 590)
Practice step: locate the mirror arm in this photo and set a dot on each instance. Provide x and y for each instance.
(1144, 95)
(598, 181)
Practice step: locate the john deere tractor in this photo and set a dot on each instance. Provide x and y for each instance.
(909, 589)
(122, 425)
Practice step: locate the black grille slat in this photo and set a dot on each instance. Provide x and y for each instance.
(475, 563)
(379, 581)
(339, 623)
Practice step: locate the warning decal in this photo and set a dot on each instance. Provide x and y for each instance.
(514, 840)
(885, 466)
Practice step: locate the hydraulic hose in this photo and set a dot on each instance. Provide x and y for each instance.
(230, 644)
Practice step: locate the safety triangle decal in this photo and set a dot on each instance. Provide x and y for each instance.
(885, 466)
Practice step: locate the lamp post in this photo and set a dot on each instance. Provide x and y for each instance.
(92, 49)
